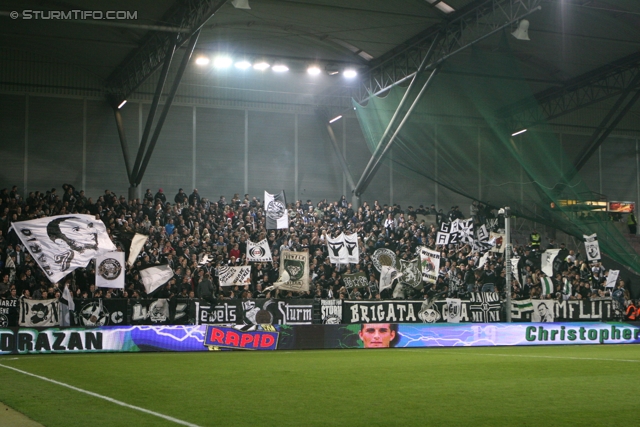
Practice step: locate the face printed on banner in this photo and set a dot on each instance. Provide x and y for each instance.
(76, 233)
(376, 335)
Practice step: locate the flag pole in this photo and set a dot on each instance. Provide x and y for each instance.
(507, 254)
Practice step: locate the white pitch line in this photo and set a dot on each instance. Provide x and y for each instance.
(558, 357)
(109, 399)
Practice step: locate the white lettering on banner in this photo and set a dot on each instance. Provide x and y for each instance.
(295, 314)
(222, 313)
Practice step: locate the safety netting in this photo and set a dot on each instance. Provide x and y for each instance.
(457, 137)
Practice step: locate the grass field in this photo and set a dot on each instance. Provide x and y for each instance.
(504, 386)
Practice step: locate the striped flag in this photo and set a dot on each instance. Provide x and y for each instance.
(275, 206)
(547, 285)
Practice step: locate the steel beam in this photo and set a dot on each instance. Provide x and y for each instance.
(602, 132)
(590, 88)
(370, 172)
(123, 142)
(165, 110)
(480, 20)
(187, 17)
(322, 119)
(152, 111)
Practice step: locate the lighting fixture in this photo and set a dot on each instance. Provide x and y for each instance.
(280, 68)
(335, 119)
(350, 73)
(522, 32)
(518, 132)
(441, 6)
(122, 104)
(243, 64)
(241, 4)
(314, 70)
(222, 62)
(202, 60)
(261, 65)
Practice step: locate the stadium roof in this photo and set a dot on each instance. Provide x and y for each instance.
(582, 53)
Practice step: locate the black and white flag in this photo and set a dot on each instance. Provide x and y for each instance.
(387, 276)
(62, 243)
(343, 249)
(39, 313)
(411, 274)
(543, 310)
(351, 248)
(137, 243)
(484, 307)
(465, 230)
(442, 238)
(548, 257)
(454, 310)
(67, 306)
(482, 233)
(357, 280)
(430, 264)
(275, 206)
(592, 247)
(258, 252)
(337, 249)
(232, 276)
(154, 277)
(294, 271)
(110, 270)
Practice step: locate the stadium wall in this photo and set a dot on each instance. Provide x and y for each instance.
(53, 139)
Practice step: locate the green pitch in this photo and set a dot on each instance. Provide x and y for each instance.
(515, 386)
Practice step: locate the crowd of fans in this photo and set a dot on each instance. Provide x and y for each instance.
(184, 228)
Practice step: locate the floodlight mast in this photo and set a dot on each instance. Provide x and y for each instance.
(507, 261)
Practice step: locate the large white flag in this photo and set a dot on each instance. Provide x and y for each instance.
(343, 249)
(154, 277)
(42, 313)
(110, 270)
(232, 276)
(258, 252)
(275, 206)
(337, 249)
(592, 247)
(351, 249)
(137, 243)
(62, 243)
(548, 257)
(430, 264)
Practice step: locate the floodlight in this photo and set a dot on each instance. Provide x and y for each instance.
(202, 60)
(242, 64)
(122, 104)
(222, 62)
(314, 70)
(280, 68)
(350, 73)
(261, 65)
(518, 132)
(335, 119)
